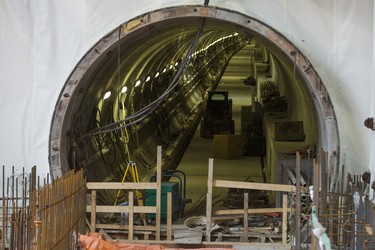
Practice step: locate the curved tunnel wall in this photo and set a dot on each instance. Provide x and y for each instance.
(115, 50)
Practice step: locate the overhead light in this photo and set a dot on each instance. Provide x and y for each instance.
(124, 89)
(165, 69)
(137, 83)
(148, 78)
(157, 74)
(170, 67)
(106, 95)
(176, 64)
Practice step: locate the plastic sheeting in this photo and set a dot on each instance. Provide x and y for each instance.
(96, 242)
(41, 42)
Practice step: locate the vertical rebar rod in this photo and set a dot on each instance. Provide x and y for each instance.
(3, 213)
(298, 201)
(7, 211)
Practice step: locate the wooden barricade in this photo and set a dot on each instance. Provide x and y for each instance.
(211, 182)
(131, 209)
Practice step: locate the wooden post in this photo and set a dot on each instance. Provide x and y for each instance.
(158, 191)
(131, 215)
(298, 201)
(209, 199)
(285, 219)
(93, 210)
(169, 216)
(246, 217)
(12, 224)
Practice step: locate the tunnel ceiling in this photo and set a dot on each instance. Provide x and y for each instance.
(150, 46)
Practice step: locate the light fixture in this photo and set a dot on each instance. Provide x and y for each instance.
(137, 83)
(165, 69)
(148, 78)
(106, 95)
(124, 89)
(176, 64)
(157, 74)
(170, 67)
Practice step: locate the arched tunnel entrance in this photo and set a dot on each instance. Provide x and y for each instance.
(142, 85)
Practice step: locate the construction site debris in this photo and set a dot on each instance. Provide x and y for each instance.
(198, 223)
(235, 196)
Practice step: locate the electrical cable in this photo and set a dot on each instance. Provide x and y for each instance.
(145, 111)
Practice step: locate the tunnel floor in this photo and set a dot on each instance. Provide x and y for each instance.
(195, 160)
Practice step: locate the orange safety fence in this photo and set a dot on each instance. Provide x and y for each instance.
(95, 241)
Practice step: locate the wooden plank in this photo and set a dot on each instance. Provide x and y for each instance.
(246, 217)
(131, 215)
(209, 199)
(93, 210)
(254, 185)
(12, 224)
(285, 219)
(125, 227)
(158, 191)
(251, 211)
(122, 209)
(119, 185)
(169, 216)
(298, 202)
(43, 207)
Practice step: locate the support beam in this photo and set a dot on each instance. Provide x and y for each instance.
(93, 210)
(158, 191)
(246, 217)
(209, 199)
(254, 185)
(131, 215)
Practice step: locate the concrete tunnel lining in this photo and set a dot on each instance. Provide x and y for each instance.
(328, 131)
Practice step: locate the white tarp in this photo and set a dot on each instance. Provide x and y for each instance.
(41, 41)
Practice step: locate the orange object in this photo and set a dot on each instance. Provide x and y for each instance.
(94, 241)
(274, 215)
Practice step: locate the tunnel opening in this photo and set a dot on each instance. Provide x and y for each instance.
(141, 86)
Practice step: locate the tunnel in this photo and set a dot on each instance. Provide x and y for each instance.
(143, 85)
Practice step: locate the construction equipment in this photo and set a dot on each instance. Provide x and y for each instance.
(217, 114)
(178, 190)
(132, 168)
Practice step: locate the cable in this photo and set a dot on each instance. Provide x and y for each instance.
(145, 111)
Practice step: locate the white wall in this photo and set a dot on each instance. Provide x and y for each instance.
(41, 41)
